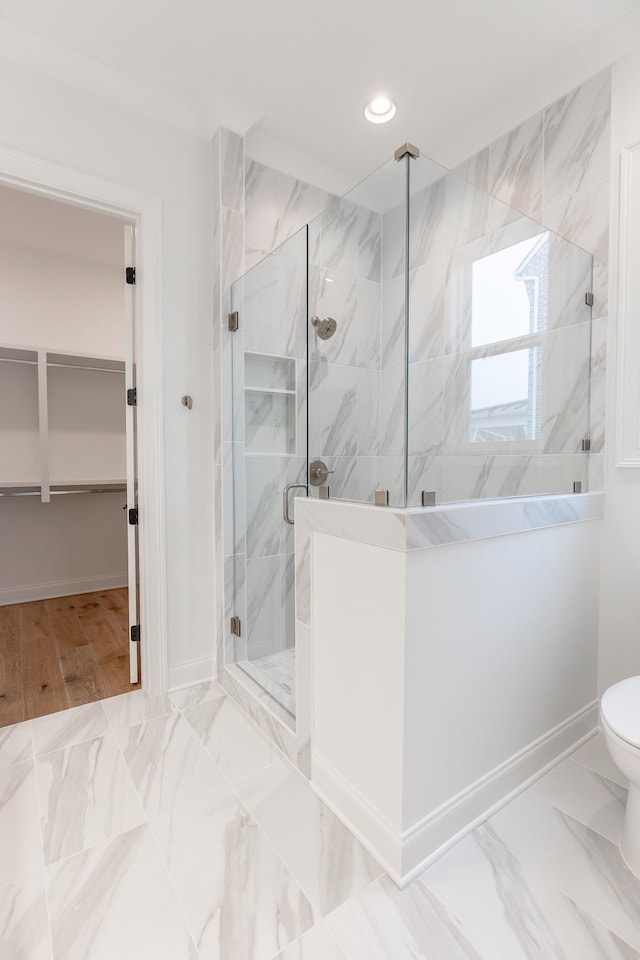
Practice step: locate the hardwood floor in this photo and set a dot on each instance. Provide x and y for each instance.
(60, 653)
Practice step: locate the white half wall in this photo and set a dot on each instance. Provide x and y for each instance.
(445, 679)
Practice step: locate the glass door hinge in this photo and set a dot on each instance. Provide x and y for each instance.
(381, 498)
(586, 445)
(235, 626)
(588, 299)
(233, 320)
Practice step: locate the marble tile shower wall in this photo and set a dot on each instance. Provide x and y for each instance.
(269, 446)
(260, 210)
(554, 167)
(344, 374)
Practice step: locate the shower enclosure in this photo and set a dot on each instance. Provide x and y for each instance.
(418, 343)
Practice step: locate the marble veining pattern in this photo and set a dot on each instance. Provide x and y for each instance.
(276, 673)
(24, 926)
(116, 900)
(85, 795)
(230, 738)
(167, 763)
(250, 906)
(67, 727)
(259, 869)
(328, 862)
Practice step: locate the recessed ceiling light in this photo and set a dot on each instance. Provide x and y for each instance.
(380, 110)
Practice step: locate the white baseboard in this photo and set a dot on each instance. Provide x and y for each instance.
(61, 588)
(194, 671)
(405, 854)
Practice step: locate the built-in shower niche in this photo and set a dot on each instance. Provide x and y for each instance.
(270, 404)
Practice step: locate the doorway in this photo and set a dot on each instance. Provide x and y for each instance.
(68, 499)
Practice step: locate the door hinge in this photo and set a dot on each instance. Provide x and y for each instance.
(586, 444)
(133, 516)
(132, 397)
(235, 626)
(233, 321)
(130, 274)
(135, 633)
(588, 299)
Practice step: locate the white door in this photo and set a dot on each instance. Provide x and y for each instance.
(132, 484)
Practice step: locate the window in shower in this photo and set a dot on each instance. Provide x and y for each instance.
(508, 305)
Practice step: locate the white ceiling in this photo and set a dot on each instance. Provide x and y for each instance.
(48, 225)
(299, 72)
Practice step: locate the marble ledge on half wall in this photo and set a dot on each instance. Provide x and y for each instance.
(418, 528)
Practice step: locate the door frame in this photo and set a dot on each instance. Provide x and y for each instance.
(34, 175)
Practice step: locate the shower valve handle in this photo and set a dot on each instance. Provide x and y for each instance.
(318, 473)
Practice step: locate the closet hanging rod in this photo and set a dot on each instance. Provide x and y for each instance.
(58, 493)
(64, 366)
(75, 366)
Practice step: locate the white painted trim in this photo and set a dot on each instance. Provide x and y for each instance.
(194, 671)
(627, 442)
(61, 588)
(404, 855)
(34, 175)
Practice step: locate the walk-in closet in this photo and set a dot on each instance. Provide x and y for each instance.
(65, 323)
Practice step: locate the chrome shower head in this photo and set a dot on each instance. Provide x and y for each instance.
(325, 328)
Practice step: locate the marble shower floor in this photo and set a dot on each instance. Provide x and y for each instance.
(276, 673)
(171, 829)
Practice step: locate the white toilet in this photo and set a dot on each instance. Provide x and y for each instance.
(620, 717)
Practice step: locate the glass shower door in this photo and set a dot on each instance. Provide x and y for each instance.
(269, 459)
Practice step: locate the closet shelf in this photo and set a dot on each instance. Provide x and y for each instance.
(18, 355)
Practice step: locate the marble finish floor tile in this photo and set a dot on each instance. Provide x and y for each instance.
(584, 865)
(24, 925)
(86, 795)
(317, 944)
(325, 858)
(237, 746)
(67, 727)
(594, 754)
(384, 923)
(240, 900)
(592, 799)
(20, 844)
(516, 911)
(116, 900)
(15, 743)
(130, 709)
(197, 693)
(168, 764)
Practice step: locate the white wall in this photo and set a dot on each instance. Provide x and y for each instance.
(58, 123)
(52, 550)
(60, 302)
(620, 560)
(503, 638)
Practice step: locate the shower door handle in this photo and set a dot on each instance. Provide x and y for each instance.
(285, 500)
